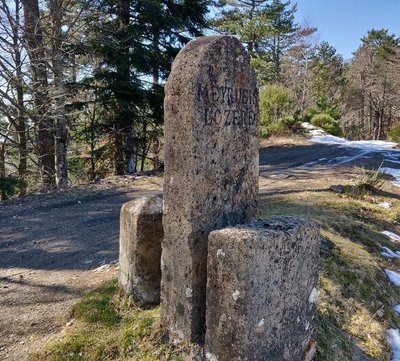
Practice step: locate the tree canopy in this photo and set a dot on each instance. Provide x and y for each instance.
(82, 81)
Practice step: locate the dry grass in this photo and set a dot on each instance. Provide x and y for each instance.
(355, 297)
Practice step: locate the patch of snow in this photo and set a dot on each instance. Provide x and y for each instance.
(101, 268)
(393, 236)
(387, 252)
(393, 276)
(316, 162)
(105, 265)
(220, 253)
(306, 125)
(313, 296)
(393, 172)
(393, 337)
(188, 292)
(211, 357)
(365, 146)
(235, 295)
(385, 205)
(397, 308)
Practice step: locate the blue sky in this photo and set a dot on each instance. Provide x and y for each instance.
(343, 22)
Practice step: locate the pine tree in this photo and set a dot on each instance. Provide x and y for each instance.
(328, 80)
(135, 42)
(267, 30)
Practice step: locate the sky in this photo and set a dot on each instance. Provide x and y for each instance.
(344, 22)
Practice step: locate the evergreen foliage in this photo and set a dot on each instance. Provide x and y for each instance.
(327, 123)
(85, 82)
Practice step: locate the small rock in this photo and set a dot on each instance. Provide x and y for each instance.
(326, 245)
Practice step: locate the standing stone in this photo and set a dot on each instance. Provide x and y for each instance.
(262, 291)
(141, 234)
(211, 170)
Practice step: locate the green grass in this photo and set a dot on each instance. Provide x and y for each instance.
(109, 326)
(98, 307)
(355, 304)
(355, 297)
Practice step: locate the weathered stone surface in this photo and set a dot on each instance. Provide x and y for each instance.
(262, 291)
(211, 169)
(141, 234)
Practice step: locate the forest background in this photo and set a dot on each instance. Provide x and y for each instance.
(82, 81)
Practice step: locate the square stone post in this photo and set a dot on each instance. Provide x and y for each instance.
(141, 234)
(211, 170)
(262, 291)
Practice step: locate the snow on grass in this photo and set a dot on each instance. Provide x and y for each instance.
(393, 172)
(393, 236)
(388, 253)
(397, 308)
(393, 337)
(385, 205)
(393, 276)
(320, 136)
(365, 146)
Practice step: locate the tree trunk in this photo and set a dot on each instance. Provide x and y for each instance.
(56, 7)
(380, 124)
(3, 194)
(362, 106)
(130, 154)
(144, 144)
(20, 123)
(371, 120)
(376, 124)
(43, 122)
(119, 161)
(120, 148)
(92, 142)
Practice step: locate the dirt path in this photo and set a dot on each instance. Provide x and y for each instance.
(51, 246)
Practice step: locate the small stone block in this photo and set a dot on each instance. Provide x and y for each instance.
(262, 291)
(141, 234)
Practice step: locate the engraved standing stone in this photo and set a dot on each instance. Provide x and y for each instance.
(262, 291)
(141, 234)
(211, 170)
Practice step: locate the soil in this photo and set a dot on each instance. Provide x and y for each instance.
(53, 249)
(56, 247)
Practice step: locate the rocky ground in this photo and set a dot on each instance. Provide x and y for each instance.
(55, 247)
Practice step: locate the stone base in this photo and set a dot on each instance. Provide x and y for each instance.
(141, 234)
(262, 291)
